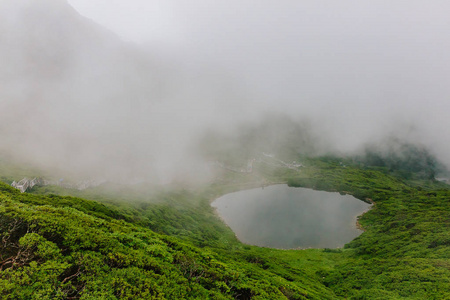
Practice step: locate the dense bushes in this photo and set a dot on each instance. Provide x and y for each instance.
(54, 252)
(55, 247)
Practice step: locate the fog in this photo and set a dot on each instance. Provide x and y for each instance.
(123, 90)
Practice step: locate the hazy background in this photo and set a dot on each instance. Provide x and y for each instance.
(128, 99)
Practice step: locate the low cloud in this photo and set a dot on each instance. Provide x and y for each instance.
(76, 98)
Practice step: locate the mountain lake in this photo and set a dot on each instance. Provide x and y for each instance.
(285, 217)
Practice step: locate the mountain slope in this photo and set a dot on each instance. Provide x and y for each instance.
(55, 251)
(64, 247)
(74, 97)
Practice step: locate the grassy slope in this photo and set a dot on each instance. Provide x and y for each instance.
(59, 247)
(404, 252)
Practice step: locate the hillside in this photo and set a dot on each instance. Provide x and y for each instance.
(66, 248)
(56, 247)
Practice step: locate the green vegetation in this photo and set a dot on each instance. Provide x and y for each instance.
(402, 160)
(55, 251)
(405, 250)
(169, 244)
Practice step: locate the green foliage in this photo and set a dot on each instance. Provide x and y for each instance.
(172, 246)
(403, 160)
(405, 248)
(52, 251)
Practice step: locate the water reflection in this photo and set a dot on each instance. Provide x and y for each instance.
(283, 217)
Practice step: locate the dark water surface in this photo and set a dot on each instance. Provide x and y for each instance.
(284, 217)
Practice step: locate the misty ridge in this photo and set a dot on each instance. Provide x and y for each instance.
(77, 100)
